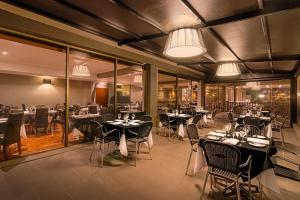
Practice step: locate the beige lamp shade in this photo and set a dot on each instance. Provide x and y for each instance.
(183, 43)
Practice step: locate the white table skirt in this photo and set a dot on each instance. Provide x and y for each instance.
(267, 177)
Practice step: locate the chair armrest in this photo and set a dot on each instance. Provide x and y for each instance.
(107, 133)
(247, 163)
(132, 132)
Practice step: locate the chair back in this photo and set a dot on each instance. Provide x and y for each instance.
(12, 133)
(196, 119)
(192, 132)
(41, 117)
(23, 107)
(254, 121)
(93, 109)
(108, 117)
(163, 118)
(96, 129)
(146, 118)
(144, 129)
(253, 130)
(213, 114)
(222, 156)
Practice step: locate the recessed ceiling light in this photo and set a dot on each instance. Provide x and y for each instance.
(4, 53)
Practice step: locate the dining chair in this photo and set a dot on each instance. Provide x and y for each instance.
(41, 120)
(192, 132)
(139, 137)
(92, 109)
(167, 123)
(224, 161)
(231, 118)
(103, 137)
(278, 125)
(211, 117)
(196, 119)
(12, 132)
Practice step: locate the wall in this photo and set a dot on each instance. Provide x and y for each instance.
(136, 94)
(30, 90)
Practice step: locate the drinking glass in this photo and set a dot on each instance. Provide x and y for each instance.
(119, 116)
(133, 116)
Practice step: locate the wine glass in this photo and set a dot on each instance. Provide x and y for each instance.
(133, 116)
(119, 116)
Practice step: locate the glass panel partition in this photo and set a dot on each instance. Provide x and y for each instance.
(166, 93)
(32, 82)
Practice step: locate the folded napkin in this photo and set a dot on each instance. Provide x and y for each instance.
(216, 134)
(133, 123)
(265, 118)
(257, 140)
(116, 123)
(232, 141)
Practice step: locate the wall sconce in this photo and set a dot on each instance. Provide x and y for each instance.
(46, 81)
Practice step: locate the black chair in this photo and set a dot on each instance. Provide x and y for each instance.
(108, 117)
(12, 132)
(92, 109)
(167, 123)
(23, 107)
(139, 137)
(196, 119)
(254, 121)
(192, 132)
(103, 137)
(224, 161)
(41, 120)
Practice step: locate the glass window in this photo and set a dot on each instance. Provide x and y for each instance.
(130, 89)
(91, 92)
(166, 93)
(32, 82)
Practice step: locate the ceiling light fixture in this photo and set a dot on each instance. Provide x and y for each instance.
(81, 70)
(138, 78)
(185, 42)
(228, 69)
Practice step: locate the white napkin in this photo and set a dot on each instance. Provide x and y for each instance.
(133, 123)
(216, 134)
(200, 161)
(116, 123)
(181, 130)
(204, 118)
(257, 140)
(123, 146)
(232, 141)
(23, 132)
(269, 131)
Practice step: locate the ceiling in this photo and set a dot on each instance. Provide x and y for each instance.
(261, 35)
(28, 59)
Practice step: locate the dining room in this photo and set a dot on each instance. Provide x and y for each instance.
(154, 99)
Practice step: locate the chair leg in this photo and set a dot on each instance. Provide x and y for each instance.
(202, 193)
(92, 150)
(19, 147)
(187, 167)
(102, 153)
(5, 152)
(238, 189)
(149, 150)
(136, 151)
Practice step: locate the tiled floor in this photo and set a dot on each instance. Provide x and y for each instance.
(68, 174)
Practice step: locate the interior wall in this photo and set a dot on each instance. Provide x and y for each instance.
(136, 94)
(30, 90)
